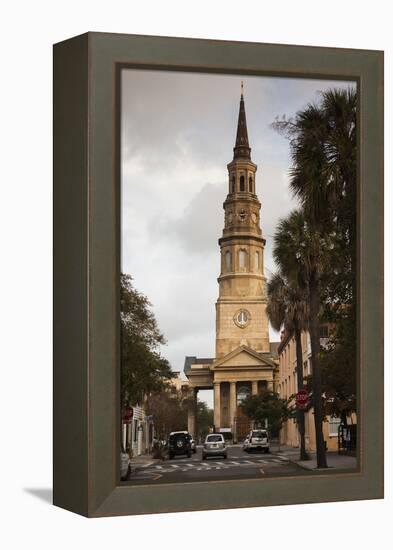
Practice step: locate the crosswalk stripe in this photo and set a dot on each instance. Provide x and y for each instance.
(220, 463)
(263, 461)
(233, 462)
(175, 466)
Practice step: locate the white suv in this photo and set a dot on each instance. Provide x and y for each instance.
(214, 446)
(257, 439)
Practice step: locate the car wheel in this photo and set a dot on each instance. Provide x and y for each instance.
(194, 451)
(170, 456)
(203, 457)
(189, 454)
(266, 450)
(225, 456)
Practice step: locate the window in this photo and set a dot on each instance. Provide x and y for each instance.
(215, 438)
(241, 183)
(242, 258)
(324, 331)
(233, 188)
(242, 393)
(250, 188)
(334, 423)
(228, 260)
(256, 260)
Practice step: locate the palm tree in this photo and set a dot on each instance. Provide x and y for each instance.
(323, 177)
(300, 252)
(287, 306)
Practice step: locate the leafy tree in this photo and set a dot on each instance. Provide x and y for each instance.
(169, 409)
(287, 307)
(338, 359)
(143, 369)
(266, 406)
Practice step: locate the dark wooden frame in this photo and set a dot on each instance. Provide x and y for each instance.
(86, 271)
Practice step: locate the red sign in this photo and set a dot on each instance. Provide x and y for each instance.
(302, 399)
(128, 413)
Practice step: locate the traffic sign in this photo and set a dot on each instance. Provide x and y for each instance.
(302, 399)
(128, 413)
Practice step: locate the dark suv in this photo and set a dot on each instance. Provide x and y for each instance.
(179, 444)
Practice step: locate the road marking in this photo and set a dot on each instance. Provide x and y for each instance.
(175, 466)
(233, 462)
(220, 463)
(248, 462)
(263, 461)
(262, 471)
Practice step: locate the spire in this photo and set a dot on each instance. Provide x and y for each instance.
(242, 148)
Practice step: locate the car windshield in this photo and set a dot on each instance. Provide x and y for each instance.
(214, 438)
(259, 434)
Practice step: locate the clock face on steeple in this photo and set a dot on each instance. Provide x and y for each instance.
(242, 318)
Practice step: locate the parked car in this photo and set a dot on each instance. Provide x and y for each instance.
(193, 444)
(258, 440)
(125, 466)
(214, 446)
(179, 443)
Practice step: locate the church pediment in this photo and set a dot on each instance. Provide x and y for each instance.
(244, 357)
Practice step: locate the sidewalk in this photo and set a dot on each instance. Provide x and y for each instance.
(334, 460)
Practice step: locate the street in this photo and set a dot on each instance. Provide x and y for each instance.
(238, 465)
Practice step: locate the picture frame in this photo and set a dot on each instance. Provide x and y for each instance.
(86, 411)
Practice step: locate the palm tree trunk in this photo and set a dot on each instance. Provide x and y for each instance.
(316, 371)
(300, 412)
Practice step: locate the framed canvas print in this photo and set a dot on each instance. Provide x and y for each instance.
(218, 314)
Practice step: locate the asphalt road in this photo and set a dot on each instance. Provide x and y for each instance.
(238, 465)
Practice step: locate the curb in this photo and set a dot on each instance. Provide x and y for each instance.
(293, 461)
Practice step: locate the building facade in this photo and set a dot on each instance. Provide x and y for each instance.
(287, 386)
(245, 361)
(138, 433)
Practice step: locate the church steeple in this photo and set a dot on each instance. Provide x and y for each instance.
(242, 148)
(241, 305)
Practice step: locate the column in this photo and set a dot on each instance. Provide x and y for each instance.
(217, 405)
(232, 408)
(270, 385)
(191, 413)
(254, 387)
(195, 432)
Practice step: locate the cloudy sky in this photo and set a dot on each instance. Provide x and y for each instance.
(178, 133)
